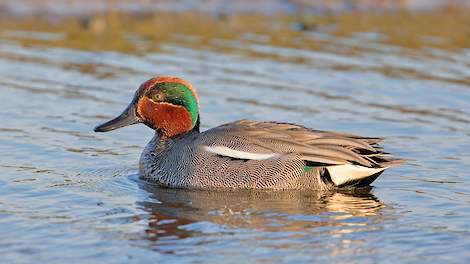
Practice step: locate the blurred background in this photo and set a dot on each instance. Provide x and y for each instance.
(396, 69)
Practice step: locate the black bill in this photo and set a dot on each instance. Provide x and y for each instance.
(127, 118)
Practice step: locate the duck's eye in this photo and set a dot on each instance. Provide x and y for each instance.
(157, 97)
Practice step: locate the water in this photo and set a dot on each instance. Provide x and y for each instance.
(69, 194)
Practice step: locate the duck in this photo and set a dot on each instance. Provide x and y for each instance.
(243, 154)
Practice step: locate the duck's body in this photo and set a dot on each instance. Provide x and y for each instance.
(244, 154)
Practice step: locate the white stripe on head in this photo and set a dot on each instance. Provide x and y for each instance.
(237, 154)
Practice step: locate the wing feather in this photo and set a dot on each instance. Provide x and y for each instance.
(322, 147)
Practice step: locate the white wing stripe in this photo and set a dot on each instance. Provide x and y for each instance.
(233, 153)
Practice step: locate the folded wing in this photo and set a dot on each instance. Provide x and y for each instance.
(347, 157)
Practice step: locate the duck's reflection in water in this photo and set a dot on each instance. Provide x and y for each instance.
(172, 211)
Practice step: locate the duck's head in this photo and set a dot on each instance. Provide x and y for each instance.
(169, 105)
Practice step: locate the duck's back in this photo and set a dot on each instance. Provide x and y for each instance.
(264, 155)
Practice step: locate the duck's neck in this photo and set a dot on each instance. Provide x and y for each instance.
(163, 136)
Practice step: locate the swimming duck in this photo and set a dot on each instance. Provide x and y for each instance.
(243, 154)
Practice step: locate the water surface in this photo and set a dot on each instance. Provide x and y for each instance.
(67, 193)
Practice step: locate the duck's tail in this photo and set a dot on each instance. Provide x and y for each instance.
(349, 175)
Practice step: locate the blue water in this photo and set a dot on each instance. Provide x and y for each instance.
(68, 194)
